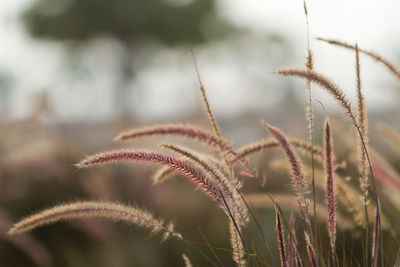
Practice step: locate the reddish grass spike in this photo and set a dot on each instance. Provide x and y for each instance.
(180, 166)
(390, 66)
(281, 238)
(299, 180)
(330, 193)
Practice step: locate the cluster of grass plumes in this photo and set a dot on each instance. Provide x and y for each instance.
(220, 170)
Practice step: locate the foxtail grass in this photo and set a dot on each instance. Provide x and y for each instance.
(185, 169)
(330, 194)
(343, 101)
(300, 185)
(280, 235)
(103, 210)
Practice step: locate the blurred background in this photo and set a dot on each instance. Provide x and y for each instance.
(74, 73)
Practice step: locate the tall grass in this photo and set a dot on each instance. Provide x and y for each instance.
(217, 175)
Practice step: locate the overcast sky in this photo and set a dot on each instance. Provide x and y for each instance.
(373, 24)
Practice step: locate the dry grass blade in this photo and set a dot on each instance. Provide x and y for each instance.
(390, 66)
(178, 165)
(330, 194)
(104, 210)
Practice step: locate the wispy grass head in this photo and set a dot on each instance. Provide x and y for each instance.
(104, 210)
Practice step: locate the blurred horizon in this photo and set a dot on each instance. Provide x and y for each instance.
(79, 82)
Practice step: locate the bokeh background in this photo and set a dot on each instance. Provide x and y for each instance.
(74, 73)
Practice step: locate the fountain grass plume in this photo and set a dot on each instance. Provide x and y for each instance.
(280, 235)
(182, 130)
(104, 210)
(330, 194)
(342, 99)
(363, 163)
(300, 185)
(182, 167)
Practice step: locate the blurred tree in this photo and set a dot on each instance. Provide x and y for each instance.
(170, 22)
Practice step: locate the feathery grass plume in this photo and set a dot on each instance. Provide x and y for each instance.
(300, 184)
(325, 83)
(339, 95)
(363, 163)
(162, 174)
(330, 194)
(390, 66)
(183, 130)
(213, 121)
(238, 251)
(210, 113)
(310, 251)
(375, 241)
(187, 261)
(280, 235)
(197, 177)
(363, 124)
(105, 210)
(264, 144)
(223, 182)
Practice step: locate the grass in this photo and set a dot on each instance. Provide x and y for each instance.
(221, 177)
